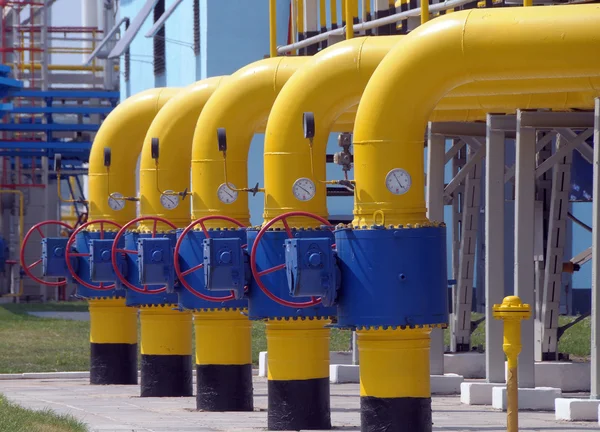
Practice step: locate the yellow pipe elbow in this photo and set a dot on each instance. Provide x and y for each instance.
(474, 45)
(240, 105)
(174, 127)
(123, 132)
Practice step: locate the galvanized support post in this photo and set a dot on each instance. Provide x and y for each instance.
(436, 149)
(494, 251)
(524, 240)
(595, 320)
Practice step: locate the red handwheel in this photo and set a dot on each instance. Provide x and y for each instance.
(182, 274)
(70, 254)
(27, 268)
(283, 218)
(115, 250)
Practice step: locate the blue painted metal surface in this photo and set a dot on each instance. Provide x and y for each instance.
(191, 254)
(271, 252)
(101, 268)
(155, 261)
(226, 266)
(53, 257)
(311, 268)
(392, 277)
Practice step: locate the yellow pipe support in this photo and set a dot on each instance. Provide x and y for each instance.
(174, 127)
(273, 28)
(344, 11)
(424, 11)
(333, 12)
(512, 312)
(223, 360)
(349, 18)
(527, 3)
(123, 132)
(21, 231)
(527, 43)
(300, 17)
(240, 106)
(323, 14)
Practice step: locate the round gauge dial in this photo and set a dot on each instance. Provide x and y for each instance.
(169, 201)
(398, 181)
(304, 189)
(115, 202)
(226, 194)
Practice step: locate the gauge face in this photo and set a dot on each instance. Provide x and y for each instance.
(304, 189)
(116, 204)
(169, 201)
(226, 194)
(398, 181)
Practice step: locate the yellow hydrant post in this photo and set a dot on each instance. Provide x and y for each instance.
(512, 312)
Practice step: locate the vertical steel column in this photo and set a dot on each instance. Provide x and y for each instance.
(524, 226)
(311, 24)
(595, 320)
(382, 9)
(494, 251)
(436, 150)
(458, 162)
(557, 231)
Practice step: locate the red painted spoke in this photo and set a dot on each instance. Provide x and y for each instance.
(40, 231)
(127, 251)
(101, 230)
(244, 246)
(271, 270)
(287, 228)
(101, 285)
(192, 270)
(204, 230)
(154, 228)
(82, 254)
(30, 266)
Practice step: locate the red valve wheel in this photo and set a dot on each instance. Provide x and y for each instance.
(182, 274)
(258, 274)
(115, 250)
(69, 254)
(27, 268)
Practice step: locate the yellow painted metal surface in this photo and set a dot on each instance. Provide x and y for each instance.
(273, 28)
(560, 101)
(298, 349)
(394, 363)
(123, 132)
(174, 126)
(165, 331)
(241, 106)
(223, 338)
(112, 322)
(527, 43)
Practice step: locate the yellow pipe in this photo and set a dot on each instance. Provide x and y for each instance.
(240, 106)
(300, 16)
(21, 230)
(344, 11)
(527, 2)
(349, 19)
(323, 14)
(174, 127)
(123, 132)
(333, 11)
(526, 43)
(331, 84)
(424, 11)
(273, 28)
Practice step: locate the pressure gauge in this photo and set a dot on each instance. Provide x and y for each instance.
(115, 201)
(226, 194)
(304, 189)
(398, 181)
(168, 200)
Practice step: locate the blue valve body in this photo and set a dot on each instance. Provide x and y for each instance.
(226, 265)
(53, 257)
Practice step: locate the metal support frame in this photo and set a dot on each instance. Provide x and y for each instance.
(436, 149)
(595, 320)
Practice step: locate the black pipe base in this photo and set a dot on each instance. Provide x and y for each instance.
(114, 364)
(395, 414)
(166, 376)
(299, 405)
(224, 388)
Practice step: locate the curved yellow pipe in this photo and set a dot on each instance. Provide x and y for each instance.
(123, 132)
(241, 105)
(332, 83)
(174, 127)
(474, 45)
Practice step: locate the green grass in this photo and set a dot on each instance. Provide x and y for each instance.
(14, 418)
(575, 341)
(32, 344)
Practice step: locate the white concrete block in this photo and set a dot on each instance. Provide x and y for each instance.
(344, 374)
(576, 409)
(468, 364)
(447, 384)
(477, 393)
(535, 399)
(568, 376)
(262, 364)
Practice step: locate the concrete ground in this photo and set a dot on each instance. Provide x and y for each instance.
(118, 408)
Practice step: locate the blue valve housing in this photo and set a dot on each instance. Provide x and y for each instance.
(311, 268)
(392, 277)
(226, 266)
(53, 257)
(155, 262)
(101, 268)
